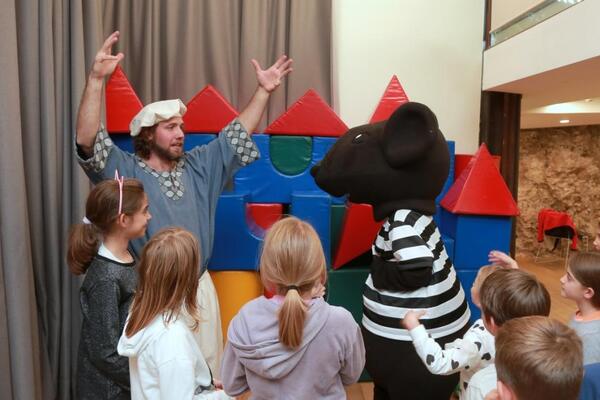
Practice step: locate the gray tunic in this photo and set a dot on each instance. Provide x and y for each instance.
(589, 332)
(186, 196)
(105, 297)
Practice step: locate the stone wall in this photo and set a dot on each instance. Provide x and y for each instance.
(559, 168)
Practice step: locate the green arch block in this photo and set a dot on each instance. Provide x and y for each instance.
(290, 155)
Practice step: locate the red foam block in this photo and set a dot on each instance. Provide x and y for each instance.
(359, 230)
(392, 98)
(264, 214)
(462, 160)
(208, 111)
(309, 116)
(480, 189)
(122, 103)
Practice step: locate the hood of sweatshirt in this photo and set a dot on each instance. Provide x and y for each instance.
(254, 337)
(134, 345)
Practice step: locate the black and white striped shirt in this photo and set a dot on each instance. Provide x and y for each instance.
(410, 240)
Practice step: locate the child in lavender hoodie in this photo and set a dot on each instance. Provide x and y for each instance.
(292, 346)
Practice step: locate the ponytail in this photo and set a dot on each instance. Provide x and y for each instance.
(291, 319)
(84, 242)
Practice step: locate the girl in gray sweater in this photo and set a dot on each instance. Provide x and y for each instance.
(294, 345)
(116, 212)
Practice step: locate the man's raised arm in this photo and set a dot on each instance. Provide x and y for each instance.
(88, 116)
(268, 81)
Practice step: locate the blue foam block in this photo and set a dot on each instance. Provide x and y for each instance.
(125, 142)
(476, 235)
(450, 178)
(267, 185)
(315, 208)
(466, 278)
(449, 245)
(237, 238)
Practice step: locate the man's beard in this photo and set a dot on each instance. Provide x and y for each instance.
(165, 154)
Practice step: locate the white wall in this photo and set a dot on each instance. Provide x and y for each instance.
(434, 47)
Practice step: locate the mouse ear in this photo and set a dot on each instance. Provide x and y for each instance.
(408, 134)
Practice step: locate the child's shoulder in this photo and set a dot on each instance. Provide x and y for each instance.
(339, 315)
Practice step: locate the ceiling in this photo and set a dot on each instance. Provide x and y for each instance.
(567, 93)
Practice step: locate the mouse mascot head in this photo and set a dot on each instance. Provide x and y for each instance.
(399, 163)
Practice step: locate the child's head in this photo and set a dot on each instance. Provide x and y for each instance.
(483, 273)
(538, 358)
(291, 264)
(581, 282)
(102, 211)
(512, 293)
(168, 279)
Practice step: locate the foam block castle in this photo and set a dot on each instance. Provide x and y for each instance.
(474, 210)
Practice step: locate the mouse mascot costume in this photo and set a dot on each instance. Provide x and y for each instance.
(399, 166)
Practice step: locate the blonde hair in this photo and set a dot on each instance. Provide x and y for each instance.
(102, 210)
(168, 279)
(539, 358)
(585, 267)
(292, 262)
(483, 273)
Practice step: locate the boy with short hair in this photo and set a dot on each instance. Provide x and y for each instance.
(538, 358)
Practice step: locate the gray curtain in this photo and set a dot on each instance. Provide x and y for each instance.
(173, 49)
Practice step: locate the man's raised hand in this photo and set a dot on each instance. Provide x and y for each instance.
(105, 63)
(269, 79)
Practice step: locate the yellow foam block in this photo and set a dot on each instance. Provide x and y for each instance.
(234, 289)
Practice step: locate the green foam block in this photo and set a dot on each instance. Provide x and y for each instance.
(290, 155)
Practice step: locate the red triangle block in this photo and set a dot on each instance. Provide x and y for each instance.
(392, 98)
(480, 189)
(358, 233)
(208, 111)
(122, 104)
(309, 116)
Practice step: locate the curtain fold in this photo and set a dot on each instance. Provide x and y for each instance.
(172, 49)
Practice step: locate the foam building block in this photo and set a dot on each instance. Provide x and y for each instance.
(208, 111)
(235, 225)
(308, 116)
(393, 97)
(338, 212)
(477, 212)
(480, 189)
(268, 185)
(290, 155)
(344, 289)
(264, 214)
(234, 289)
(462, 160)
(466, 278)
(122, 103)
(315, 208)
(237, 236)
(358, 233)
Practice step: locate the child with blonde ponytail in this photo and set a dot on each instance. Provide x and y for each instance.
(116, 212)
(293, 345)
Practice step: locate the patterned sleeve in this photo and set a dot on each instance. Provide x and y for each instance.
(408, 246)
(106, 157)
(457, 356)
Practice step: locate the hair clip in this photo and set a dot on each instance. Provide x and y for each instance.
(120, 182)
